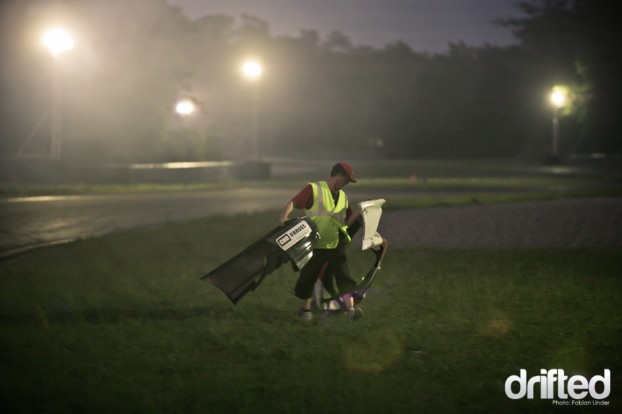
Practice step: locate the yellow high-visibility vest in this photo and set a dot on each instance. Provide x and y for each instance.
(329, 218)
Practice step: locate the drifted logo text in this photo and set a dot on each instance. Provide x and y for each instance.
(554, 384)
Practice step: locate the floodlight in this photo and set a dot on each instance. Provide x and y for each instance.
(559, 96)
(252, 69)
(58, 41)
(185, 107)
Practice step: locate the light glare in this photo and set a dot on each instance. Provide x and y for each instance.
(558, 96)
(58, 41)
(185, 107)
(252, 70)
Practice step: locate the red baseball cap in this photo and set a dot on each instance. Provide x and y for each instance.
(345, 169)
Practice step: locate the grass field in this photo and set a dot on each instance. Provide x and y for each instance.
(123, 324)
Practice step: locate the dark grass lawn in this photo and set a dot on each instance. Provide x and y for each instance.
(123, 324)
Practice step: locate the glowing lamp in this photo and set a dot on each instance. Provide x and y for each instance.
(57, 41)
(185, 107)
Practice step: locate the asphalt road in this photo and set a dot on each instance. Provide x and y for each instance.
(568, 223)
(36, 221)
(31, 222)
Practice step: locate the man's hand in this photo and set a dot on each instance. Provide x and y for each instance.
(289, 207)
(353, 217)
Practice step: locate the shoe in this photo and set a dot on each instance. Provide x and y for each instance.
(354, 314)
(305, 314)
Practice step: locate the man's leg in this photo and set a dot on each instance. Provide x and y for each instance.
(307, 278)
(346, 284)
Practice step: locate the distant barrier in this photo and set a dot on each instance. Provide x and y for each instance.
(50, 171)
(180, 172)
(596, 161)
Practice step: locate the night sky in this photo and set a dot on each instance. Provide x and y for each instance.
(426, 25)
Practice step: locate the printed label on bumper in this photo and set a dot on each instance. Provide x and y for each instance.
(294, 235)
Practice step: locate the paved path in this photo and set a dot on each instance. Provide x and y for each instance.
(30, 222)
(560, 223)
(36, 221)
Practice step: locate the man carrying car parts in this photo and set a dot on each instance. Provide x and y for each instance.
(326, 204)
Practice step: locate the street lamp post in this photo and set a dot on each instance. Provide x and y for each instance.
(252, 70)
(558, 100)
(58, 42)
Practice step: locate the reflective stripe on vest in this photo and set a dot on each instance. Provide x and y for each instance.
(329, 218)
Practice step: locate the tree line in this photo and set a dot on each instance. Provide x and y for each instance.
(133, 59)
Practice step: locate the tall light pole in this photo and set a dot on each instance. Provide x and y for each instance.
(558, 99)
(252, 71)
(57, 41)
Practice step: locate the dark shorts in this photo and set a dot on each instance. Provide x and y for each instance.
(337, 266)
